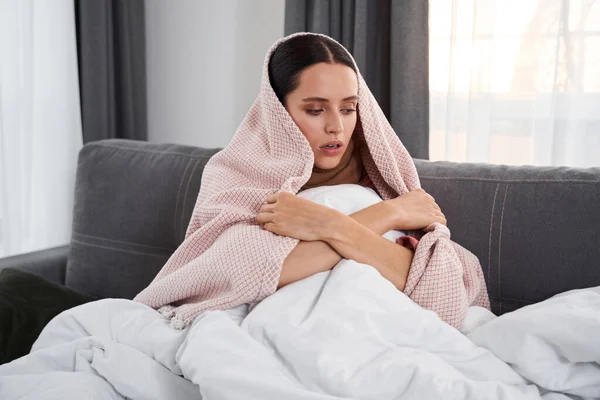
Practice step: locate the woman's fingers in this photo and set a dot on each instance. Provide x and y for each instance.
(435, 207)
(266, 221)
(442, 218)
(264, 217)
(437, 216)
(432, 200)
(272, 198)
(269, 226)
(267, 208)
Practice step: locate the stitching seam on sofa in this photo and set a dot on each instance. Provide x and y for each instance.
(138, 150)
(500, 248)
(123, 242)
(187, 189)
(118, 249)
(490, 239)
(178, 196)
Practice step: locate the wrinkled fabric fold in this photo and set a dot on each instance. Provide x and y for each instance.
(445, 277)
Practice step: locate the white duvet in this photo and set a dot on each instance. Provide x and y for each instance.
(344, 334)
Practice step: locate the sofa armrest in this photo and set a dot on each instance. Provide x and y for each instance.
(50, 264)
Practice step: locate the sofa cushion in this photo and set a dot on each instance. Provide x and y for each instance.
(535, 229)
(133, 201)
(27, 303)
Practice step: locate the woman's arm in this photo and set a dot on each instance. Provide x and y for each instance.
(309, 258)
(327, 235)
(355, 241)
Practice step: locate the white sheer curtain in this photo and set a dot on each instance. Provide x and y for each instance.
(515, 81)
(40, 123)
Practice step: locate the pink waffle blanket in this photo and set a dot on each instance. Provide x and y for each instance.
(226, 259)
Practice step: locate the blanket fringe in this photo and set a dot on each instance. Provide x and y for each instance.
(167, 311)
(179, 323)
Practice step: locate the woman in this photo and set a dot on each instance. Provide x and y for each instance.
(315, 80)
(314, 123)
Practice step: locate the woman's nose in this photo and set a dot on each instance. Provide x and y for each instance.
(334, 125)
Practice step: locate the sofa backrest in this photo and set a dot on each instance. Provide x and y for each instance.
(133, 201)
(535, 230)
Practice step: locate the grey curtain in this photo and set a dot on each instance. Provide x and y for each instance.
(389, 40)
(111, 45)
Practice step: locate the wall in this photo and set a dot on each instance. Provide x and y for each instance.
(204, 66)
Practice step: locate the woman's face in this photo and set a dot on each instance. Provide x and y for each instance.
(324, 108)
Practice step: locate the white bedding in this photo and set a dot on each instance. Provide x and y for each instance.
(344, 334)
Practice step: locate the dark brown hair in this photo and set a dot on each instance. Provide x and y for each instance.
(294, 55)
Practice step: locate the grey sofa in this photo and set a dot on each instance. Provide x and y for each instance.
(535, 230)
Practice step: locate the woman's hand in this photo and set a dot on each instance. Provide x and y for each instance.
(288, 215)
(416, 210)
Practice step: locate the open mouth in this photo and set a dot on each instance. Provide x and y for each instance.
(332, 146)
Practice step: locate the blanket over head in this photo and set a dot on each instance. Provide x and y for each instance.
(226, 258)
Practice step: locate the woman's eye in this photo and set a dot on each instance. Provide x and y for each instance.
(348, 111)
(314, 111)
